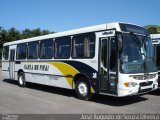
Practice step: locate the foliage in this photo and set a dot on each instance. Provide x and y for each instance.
(153, 29)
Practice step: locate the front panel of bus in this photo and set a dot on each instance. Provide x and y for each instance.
(137, 70)
(127, 65)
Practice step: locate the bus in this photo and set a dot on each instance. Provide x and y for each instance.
(156, 43)
(111, 59)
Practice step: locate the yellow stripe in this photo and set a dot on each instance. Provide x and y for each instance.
(92, 91)
(66, 70)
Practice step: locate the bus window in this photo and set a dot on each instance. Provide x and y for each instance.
(22, 51)
(33, 50)
(113, 55)
(104, 53)
(84, 46)
(46, 49)
(62, 47)
(5, 52)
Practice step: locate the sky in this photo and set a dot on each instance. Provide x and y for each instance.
(62, 15)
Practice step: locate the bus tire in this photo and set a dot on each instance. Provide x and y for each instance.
(21, 79)
(83, 89)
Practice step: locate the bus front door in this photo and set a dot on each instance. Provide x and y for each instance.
(108, 64)
(12, 64)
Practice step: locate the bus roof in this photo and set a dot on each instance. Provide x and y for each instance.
(101, 27)
(155, 36)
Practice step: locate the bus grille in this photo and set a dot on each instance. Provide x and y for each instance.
(144, 77)
(142, 84)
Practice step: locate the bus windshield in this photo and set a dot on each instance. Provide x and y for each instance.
(136, 55)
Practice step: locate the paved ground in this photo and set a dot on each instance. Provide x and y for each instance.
(39, 99)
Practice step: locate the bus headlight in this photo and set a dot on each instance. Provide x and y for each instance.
(130, 84)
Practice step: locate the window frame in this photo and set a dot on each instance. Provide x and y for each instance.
(113, 46)
(37, 51)
(49, 39)
(3, 54)
(82, 35)
(60, 38)
(25, 50)
(104, 60)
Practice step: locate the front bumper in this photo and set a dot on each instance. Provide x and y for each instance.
(139, 89)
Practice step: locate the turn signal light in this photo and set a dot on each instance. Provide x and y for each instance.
(130, 84)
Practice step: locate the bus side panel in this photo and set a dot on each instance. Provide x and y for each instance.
(5, 69)
(44, 73)
(47, 80)
(59, 74)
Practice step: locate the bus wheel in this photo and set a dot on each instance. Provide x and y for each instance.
(83, 89)
(21, 80)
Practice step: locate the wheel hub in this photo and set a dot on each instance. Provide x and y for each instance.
(21, 80)
(83, 89)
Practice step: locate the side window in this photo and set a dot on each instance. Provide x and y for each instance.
(22, 51)
(46, 49)
(62, 47)
(84, 46)
(5, 52)
(33, 50)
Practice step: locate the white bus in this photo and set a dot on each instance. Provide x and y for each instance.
(111, 59)
(156, 42)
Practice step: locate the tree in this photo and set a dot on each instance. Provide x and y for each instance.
(27, 33)
(3, 39)
(45, 32)
(13, 35)
(152, 30)
(36, 32)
